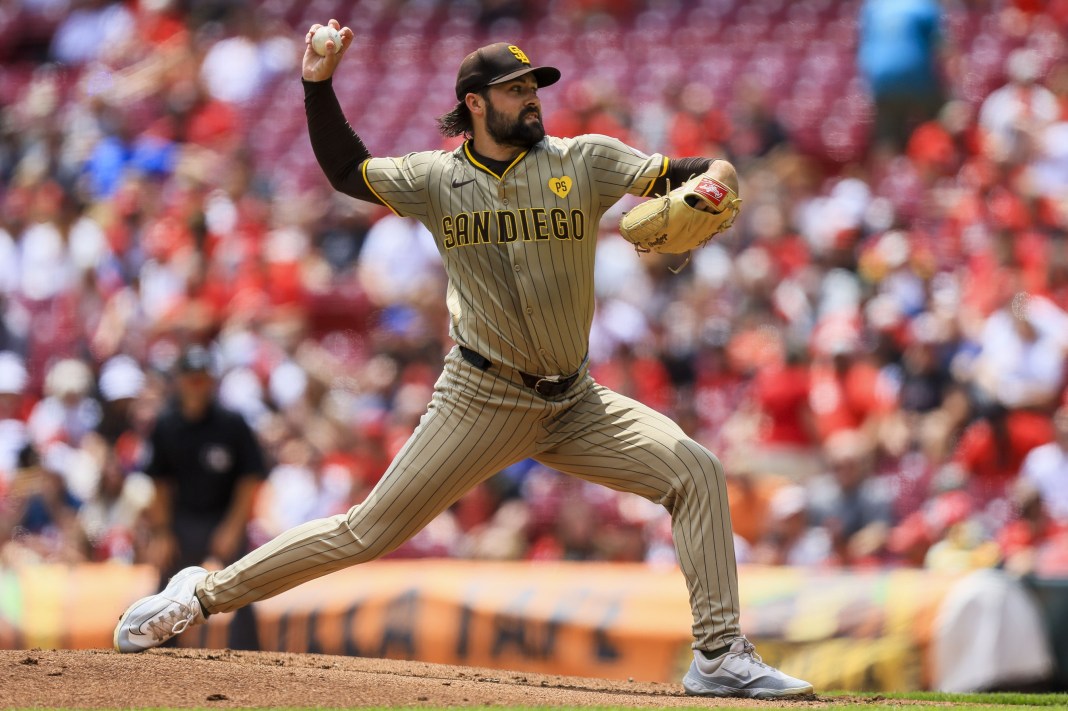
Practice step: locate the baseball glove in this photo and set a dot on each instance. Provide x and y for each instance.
(682, 220)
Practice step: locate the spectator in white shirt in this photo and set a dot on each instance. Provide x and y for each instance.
(13, 437)
(1014, 116)
(1046, 468)
(68, 411)
(1021, 363)
(398, 261)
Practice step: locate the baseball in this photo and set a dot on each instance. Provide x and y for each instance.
(322, 36)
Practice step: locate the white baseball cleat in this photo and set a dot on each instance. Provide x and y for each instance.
(740, 673)
(153, 620)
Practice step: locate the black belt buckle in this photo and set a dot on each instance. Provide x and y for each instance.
(547, 387)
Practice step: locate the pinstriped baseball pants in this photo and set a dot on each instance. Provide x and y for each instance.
(479, 423)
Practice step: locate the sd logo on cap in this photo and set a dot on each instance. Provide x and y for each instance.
(498, 63)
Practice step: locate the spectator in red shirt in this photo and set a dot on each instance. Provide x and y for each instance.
(993, 447)
(786, 439)
(845, 392)
(1022, 539)
(639, 374)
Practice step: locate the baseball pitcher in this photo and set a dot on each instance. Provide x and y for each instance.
(514, 213)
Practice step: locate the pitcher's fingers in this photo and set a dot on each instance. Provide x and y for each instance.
(335, 24)
(346, 39)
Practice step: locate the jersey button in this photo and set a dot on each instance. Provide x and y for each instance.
(506, 201)
(542, 351)
(530, 311)
(518, 268)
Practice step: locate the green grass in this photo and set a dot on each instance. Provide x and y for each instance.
(981, 700)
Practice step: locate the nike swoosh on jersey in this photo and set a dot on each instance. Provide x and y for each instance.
(457, 185)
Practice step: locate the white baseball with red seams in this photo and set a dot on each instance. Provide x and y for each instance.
(323, 35)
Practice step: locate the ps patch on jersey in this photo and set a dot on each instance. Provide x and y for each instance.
(560, 186)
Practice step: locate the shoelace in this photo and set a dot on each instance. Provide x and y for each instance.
(179, 620)
(749, 650)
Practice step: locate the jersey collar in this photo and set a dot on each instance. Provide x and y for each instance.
(475, 162)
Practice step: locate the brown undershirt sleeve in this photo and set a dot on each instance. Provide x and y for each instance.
(679, 171)
(338, 149)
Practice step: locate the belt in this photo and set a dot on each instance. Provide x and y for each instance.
(546, 387)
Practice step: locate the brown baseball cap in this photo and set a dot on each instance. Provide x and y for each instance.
(496, 63)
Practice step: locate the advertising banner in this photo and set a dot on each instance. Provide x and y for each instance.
(838, 629)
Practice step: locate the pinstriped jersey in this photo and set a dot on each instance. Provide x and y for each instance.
(518, 248)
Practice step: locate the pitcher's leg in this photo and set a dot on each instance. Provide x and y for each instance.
(460, 442)
(613, 440)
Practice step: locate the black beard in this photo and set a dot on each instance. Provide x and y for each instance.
(518, 133)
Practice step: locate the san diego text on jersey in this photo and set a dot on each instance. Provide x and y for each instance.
(529, 224)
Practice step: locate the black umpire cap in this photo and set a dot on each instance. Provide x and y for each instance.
(497, 63)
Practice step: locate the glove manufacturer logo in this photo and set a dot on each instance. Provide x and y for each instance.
(712, 190)
(560, 186)
(519, 54)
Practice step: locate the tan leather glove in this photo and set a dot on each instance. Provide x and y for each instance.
(684, 219)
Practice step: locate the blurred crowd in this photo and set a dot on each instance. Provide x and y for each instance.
(877, 350)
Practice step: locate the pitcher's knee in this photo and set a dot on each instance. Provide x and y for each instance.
(702, 471)
(372, 539)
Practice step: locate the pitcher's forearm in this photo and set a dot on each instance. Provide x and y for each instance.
(337, 148)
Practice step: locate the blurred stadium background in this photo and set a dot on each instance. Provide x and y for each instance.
(877, 350)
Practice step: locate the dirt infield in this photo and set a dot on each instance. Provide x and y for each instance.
(225, 679)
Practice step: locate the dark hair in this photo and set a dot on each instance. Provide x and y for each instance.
(458, 121)
(28, 457)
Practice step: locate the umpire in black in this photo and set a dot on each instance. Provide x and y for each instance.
(207, 465)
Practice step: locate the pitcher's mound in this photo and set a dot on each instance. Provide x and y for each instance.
(226, 679)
